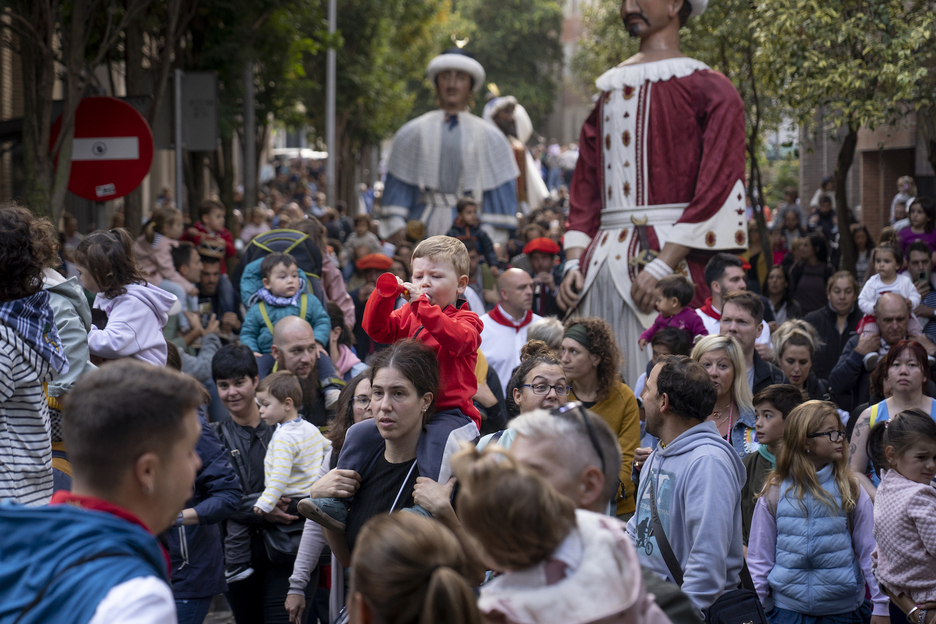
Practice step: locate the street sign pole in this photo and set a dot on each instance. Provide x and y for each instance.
(179, 181)
(250, 139)
(330, 108)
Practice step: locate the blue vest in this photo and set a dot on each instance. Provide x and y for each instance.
(816, 570)
(57, 563)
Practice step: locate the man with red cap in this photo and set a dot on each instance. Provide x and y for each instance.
(659, 183)
(542, 252)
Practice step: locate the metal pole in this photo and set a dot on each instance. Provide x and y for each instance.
(330, 108)
(179, 181)
(250, 139)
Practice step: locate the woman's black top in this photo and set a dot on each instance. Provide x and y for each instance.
(379, 488)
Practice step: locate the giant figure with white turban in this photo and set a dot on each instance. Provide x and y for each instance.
(447, 154)
(659, 183)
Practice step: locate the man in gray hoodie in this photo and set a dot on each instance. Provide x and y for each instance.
(696, 477)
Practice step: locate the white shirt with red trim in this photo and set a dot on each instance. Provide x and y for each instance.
(501, 340)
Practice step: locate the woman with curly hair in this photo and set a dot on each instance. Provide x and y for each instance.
(30, 352)
(592, 361)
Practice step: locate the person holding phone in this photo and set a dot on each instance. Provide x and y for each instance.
(920, 270)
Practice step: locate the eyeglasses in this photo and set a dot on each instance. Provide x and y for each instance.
(542, 389)
(579, 408)
(834, 436)
(362, 400)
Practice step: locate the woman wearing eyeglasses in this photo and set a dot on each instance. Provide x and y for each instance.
(907, 372)
(812, 532)
(734, 412)
(591, 360)
(352, 407)
(538, 383)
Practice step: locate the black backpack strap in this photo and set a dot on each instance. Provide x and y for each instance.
(666, 551)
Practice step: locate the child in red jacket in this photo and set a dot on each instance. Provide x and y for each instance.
(210, 230)
(439, 317)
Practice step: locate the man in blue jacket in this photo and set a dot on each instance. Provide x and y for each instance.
(197, 561)
(91, 556)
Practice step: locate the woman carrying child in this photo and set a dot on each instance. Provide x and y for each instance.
(811, 537)
(905, 510)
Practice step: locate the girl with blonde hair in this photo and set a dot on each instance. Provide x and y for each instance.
(734, 416)
(559, 564)
(812, 534)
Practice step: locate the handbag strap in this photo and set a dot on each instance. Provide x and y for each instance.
(666, 551)
(669, 557)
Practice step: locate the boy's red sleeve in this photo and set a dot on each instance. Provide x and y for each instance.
(459, 334)
(381, 322)
(229, 249)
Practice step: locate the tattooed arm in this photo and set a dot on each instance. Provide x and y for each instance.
(858, 452)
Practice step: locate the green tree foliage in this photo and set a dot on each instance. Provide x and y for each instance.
(517, 43)
(384, 48)
(857, 61)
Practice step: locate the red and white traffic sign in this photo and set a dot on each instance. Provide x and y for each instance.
(112, 150)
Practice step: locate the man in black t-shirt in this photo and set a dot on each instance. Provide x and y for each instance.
(216, 295)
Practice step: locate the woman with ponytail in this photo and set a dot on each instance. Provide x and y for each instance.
(537, 539)
(408, 569)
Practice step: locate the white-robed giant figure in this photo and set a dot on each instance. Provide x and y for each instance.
(447, 154)
(659, 183)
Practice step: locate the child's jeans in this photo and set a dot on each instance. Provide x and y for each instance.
(441, 438)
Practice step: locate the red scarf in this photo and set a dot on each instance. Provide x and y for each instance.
(708, 309)
(502, 319)
(63, 497)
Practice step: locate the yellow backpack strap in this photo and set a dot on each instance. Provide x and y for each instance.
(874, 413)
(303, 305)
(266, 317)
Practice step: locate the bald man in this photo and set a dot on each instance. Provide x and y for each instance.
(505, 327)
(294, 349)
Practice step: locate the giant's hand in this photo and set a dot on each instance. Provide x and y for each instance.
(642, 291)
(570, 288)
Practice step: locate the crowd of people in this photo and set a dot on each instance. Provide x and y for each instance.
(438, 411)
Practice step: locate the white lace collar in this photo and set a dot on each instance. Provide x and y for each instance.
(655, 71)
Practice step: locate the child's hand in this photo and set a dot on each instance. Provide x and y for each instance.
(213, 325)
(642, 343)
(414, 292)
(258, 511)
(320, 351)
(257, 355)
(193, 291)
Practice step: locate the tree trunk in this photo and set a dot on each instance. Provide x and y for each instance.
(846, 157)
(38, 67)
(133, 61)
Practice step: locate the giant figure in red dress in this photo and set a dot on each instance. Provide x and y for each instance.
(659, 184)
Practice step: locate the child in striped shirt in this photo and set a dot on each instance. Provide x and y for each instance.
(290, 467)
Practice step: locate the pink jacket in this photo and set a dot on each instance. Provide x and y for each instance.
(155, 261)
(905, 530)
(335, 290)
(605, 586)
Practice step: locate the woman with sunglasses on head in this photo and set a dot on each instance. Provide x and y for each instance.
(907, 372)
(353, 406)
(592, 363)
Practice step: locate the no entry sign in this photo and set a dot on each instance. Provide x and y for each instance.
(112, 151)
